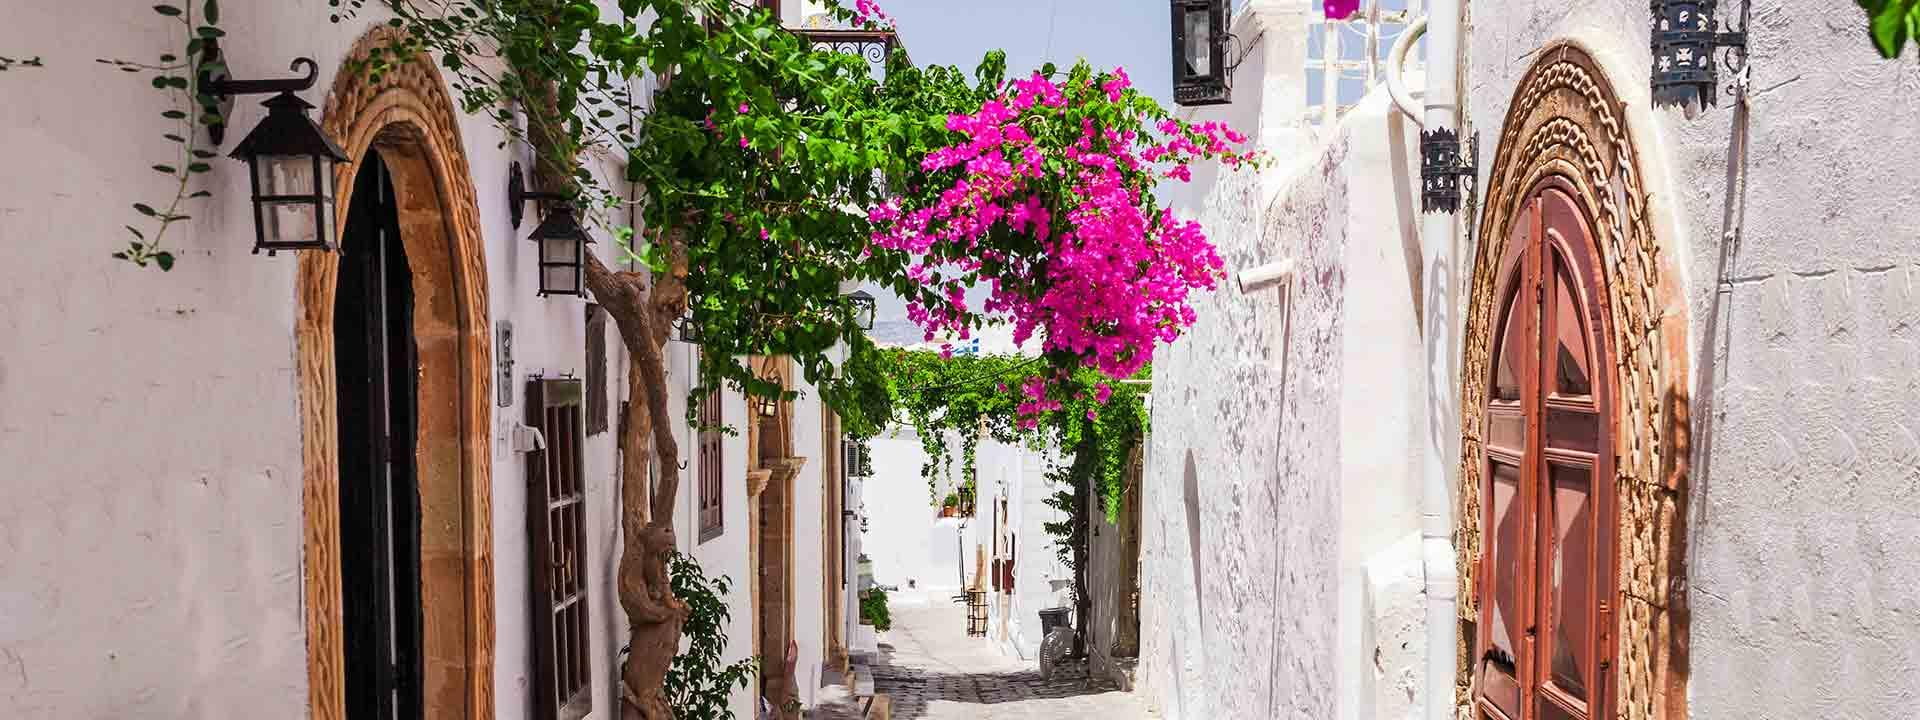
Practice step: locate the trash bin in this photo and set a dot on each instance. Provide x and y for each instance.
(1051, 618)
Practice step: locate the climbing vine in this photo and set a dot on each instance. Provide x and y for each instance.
(177, 73)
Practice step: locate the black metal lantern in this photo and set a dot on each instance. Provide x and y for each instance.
(289, 158)
(563, 253)
(563, 242)
(768, 406)
(1684, 40)
(864, 308)
(1200, 72)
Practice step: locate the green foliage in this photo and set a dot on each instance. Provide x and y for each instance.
(698, 682)
(1891, 23)
(975, 396)
(873, 610)
(177, 74)
(751, 162)
(7, 63)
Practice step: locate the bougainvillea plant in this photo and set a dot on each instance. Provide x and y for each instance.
(1045, 195)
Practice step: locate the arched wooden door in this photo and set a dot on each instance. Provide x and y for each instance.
(1544, 643)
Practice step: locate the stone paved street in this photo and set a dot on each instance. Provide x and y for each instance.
(933, 671)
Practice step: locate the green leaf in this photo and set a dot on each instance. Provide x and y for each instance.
(135, 231)
(211, 12)
(167, 10)
(165, 169)
(145, 209)
(174, 115)
(199, 167)
(165, 259)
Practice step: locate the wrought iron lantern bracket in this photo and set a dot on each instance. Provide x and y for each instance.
(1446, 164)
(518, 195)
(217, 88)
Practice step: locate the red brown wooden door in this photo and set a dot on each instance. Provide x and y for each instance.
(1544, 645)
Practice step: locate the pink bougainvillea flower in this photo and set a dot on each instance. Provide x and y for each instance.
(868, 12)
(1047, 200)
(744, 109)
(1341, 9)
(744, 142)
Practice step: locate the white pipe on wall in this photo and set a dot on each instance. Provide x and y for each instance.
(1436, 507)
(1396, 71)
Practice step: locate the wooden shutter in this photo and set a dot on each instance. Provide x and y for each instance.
(712, 467)
(597, 421)
(1543, 646)
(556, 552)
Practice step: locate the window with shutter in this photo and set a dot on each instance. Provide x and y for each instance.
(597, 420)
(1543, 649)
(712, 465)
(556, 529)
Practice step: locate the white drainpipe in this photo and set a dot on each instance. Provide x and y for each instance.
(1436, 506)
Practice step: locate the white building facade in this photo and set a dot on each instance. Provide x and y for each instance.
(1669, 400)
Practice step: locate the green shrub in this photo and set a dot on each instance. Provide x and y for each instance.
(873, 610)
(698, 683)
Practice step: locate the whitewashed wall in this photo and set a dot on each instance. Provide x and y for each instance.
(1805, 363)
(1280, 489)
(151, 554)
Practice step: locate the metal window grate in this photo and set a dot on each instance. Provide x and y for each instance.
(712, 466)
(556, 530)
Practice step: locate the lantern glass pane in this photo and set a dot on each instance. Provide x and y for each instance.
(290, 223)
(1199, 45)
(560, 280)
(286, 174)
(559, 250)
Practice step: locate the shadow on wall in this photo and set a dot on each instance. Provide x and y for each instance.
(1193, 531)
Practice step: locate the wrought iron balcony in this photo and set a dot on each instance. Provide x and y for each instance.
(875, 46)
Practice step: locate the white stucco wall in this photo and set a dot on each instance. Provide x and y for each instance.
(1280, 478)
(151, 560)
(1804, 362)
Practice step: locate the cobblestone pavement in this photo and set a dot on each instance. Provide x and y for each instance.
(932, 671)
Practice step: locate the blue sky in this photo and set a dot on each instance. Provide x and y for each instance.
(1124, 33)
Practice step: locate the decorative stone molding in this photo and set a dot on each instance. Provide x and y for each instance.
(757, 482)
(410, 119)
(1566, 121)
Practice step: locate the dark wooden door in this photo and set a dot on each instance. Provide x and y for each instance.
(1544, 645)
(378, 367)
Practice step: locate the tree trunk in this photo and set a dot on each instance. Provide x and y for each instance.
(1083, 497)
(654, 614)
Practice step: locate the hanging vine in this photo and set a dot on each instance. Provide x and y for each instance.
(177, 73)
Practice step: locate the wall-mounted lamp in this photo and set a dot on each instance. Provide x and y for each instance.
(563, 242)
(289, 158)
(1200, 72)
(865, 307)
(1684, 40)
(767, 406)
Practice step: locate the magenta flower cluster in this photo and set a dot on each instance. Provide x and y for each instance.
(1052, 208)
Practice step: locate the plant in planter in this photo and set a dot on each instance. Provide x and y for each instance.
(873, 610)
(950, 506)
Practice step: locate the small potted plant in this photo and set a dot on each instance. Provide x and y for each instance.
(950, 507)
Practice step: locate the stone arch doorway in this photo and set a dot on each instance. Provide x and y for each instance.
(771, 478)
(1566, 129)
(410, 122)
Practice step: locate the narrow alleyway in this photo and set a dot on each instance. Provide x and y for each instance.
(932, 671)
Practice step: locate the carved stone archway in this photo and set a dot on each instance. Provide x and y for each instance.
(410, 119)
(1565, 121)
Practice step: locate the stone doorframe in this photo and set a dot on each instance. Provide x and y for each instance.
(770, 486)
(1565, 121)
(410, 119)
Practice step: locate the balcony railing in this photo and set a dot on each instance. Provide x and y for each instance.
(874, 46)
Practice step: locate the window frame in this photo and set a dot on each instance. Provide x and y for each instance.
(561, 672)
(711, 465)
